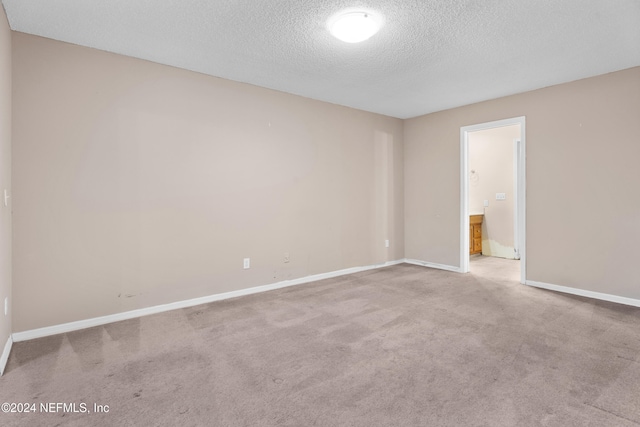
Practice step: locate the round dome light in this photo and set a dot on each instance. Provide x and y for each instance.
(354, 27)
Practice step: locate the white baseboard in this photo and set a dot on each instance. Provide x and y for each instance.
(103, 320)
(565, 289)
(433, 265)
(584, 293)
(5, 355)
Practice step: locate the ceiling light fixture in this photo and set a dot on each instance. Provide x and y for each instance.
(354, 27)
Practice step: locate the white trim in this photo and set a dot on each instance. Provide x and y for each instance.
(521, 208)
(103, 320)
(584, 293)
(433, 265)
(5, 355)
(464, 190)
(464, 200)
(516, 180)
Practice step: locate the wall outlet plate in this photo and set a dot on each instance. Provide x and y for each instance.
(246, 263)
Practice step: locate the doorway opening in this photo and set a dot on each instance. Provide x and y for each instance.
(505, 206)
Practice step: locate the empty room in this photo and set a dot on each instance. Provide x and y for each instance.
(377, 213)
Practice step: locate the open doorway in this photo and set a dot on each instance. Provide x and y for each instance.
(493, 191)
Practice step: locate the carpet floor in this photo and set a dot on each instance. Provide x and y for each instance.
(398, 346)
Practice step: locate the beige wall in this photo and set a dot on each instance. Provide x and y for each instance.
(491, 166)
(139, 184)
(5, 176)
(583, 210)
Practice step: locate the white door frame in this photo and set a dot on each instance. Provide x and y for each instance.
(520, 191)
(517, 152)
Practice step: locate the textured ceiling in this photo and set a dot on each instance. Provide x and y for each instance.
(430, 55)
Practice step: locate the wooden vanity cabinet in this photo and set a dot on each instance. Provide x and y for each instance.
(475, 234)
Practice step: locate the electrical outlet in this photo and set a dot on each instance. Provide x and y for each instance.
(386, 243)
(286, 257)
(246, 263)
(501, 196)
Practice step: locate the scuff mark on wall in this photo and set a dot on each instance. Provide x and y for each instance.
(492, 248)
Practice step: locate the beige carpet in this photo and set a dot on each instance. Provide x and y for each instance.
(399, 346)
